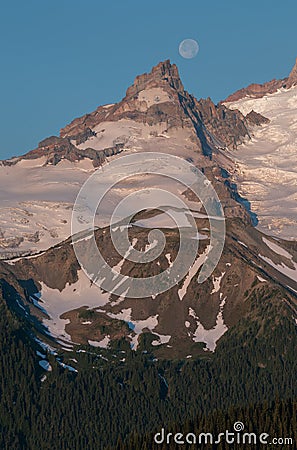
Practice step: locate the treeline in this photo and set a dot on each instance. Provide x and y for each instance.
(275, 421)
(121, 405)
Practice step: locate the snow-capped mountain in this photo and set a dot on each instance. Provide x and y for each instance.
(266, 165)
(52, 291)
(38, 189)
(256, 90)
(187, 319)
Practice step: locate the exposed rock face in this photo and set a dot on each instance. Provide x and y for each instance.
(159, 98)
(214, 125)
(256, 119)
(88, 121)
(83, 136)
(163, 80)
(227, 126)
(56, 148)
(259, 90)
(185, 315)
(164, 73)
(156, 113)
(154, 98)
(256, 90)
(292, 80)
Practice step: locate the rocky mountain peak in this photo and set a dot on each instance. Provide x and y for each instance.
(256, 90)
(155, 99)
(161, 75)
(292, 80)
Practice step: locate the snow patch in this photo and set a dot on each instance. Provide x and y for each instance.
(163, 339)
(210, 337)
(192, 272)
(55, 303)
(103, 343)
(276, 248)
(282, 268)
(217, 283)
(45, 365)
(261, 279)
(168, 257)
(266, 165)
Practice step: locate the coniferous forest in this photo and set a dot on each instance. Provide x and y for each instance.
(121, 405)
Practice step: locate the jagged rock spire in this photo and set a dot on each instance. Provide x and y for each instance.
(162, 74)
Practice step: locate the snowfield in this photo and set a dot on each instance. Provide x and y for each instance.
(267, 164)
(36, 200)
(36, 203)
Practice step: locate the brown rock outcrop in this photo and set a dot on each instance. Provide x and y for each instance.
(292, 80)
(256, 118)
(259, 90)
(215, 126)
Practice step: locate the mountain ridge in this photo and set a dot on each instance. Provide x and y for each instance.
(214, 125)
(256, 90)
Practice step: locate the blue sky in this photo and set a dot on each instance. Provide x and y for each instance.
(62, 58)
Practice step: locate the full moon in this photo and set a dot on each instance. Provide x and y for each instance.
(188, 48)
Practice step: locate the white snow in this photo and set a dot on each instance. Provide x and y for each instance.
(46, 347)
(163, 339)
(168, 257)
(200, 236)
(45, 365)
(55, 303)
(151, 245)
(210, 337)
(66, 366)
(261, 279)
(282, 268)
(136, 136)
(217, 283)
(192, 313)
(276, 248)
(152, 96)
(192, 272)
(14, 260)
(164, 220)
(118, 267)
(134, 341)
(21, 306)
(267, 165)
(124, 314)
(34, 199)
(138, 326)
(103, 343)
